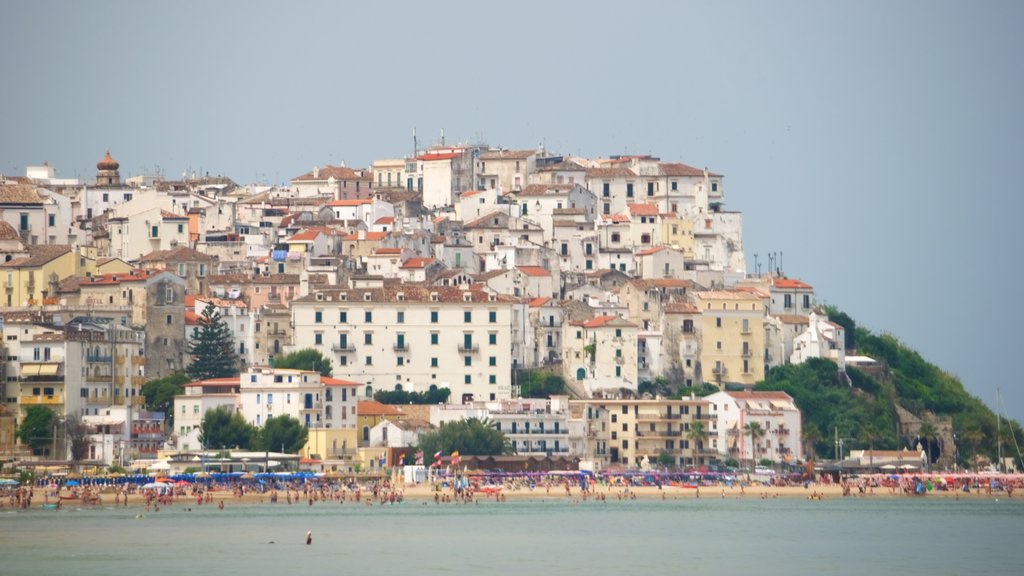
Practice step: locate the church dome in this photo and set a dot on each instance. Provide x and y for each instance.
(107, 163)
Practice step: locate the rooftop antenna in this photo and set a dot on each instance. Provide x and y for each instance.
(414, 147)
(780, 262)
(442, 137)
(757, 266)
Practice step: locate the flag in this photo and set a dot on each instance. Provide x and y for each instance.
(455, 458)
(437, 455)
(383, 459)
(419, 457)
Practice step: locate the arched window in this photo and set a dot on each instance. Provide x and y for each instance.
(581, 373)
(369, 392)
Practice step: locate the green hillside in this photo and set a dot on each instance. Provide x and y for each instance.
(863, 409)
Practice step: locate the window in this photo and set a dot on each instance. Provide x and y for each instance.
(590, 264)
(368, 338)
(807, 300)
(318, 338)
(468, 379)
(492, 379)
(52, 219)
(368, 317)
(433, 362)
(618, 332)
(369, 360)
(492, 338)
(467, 316)
(318, 317)
(675, 185)
(787, 300)
(616, 237)
(492, 317)
(401, 317)
(650, 188)
(605, 189)
(181, 228)
(467, 360)
(343, 317)
(154, 232)
(433, 338)
(492, 361)
(168, 318)
(718, 322)
(401, 361)
(588, 249)
(433, 316)
(629, 190)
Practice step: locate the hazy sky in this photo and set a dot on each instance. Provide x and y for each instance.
(875, 144)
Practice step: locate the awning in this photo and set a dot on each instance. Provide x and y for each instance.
(30, 369)
(48, 369)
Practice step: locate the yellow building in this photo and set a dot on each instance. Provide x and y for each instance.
(677, 233)
(371, 413)
(32, 280)
(732, 336)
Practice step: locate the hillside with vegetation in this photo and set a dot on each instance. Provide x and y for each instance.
(862, 408)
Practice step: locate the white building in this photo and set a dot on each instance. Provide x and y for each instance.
(775, 412)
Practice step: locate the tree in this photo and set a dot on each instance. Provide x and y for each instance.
(973, 437)
(698, 435)
(539, 384)
(811, 436)
(754, 430)
(160, 393)
(868, 435)
(665, 459)
(472, 437)
(77, 434)
(305, 359)
(433, 396)
(282, 431)
(222, 427)
(212, 348)
(36, 429)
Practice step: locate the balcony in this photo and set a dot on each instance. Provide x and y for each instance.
(107, 378)
(41, 400)
(401, 347)
(746, 354)
(472, 348)
(781, 431)
(98, 358)
(346, 347)
(657, 417)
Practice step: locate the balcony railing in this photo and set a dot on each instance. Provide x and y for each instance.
(472, 348)
(45, 400)
(276, 332)
(98, 358)
(746, 354)
(346, 347)
(401, 347)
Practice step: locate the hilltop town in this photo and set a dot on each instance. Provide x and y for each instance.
(464, 268)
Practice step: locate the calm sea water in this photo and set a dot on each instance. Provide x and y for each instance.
(786, 536)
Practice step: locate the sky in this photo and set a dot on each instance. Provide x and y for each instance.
(873, 144)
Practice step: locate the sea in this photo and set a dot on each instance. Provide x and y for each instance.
(855, 536)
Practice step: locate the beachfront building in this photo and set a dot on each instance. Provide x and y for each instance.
(776, 416)
(636, 433)
(412, 337)
(732, 336)
(200, 397)
(535, 427)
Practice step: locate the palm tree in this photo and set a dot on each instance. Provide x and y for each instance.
(973, 437)
(811, 436)
(868, 435)
(754, 430)
(698, 435)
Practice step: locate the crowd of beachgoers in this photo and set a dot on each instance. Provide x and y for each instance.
(219, 490)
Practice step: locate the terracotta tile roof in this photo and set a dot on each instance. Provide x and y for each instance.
(369, 236)
(485, 221)
(39, 255)
(642, 209)
(382, 251)
(225, 382)
(328, 381)
(793, 319)
(508, 155)
(790, 284)
(385, 220)
(304, 236)
(416, 263)
(135, 275)
(412, 293)
(681, 308)
(610, 173)
(469, 193)
(7, 232)
(22, 194)
(615, 218)
(679, 169)
(181, 254)
(599, 321)
(538, 302)
(534, 271)
(338, 172)
(167, 215)
(354, 202)
(374, 408)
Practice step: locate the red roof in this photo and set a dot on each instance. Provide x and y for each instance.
(643, 209)
(232, 381)
(304, 236)
(385, 220)
(790, 283)
(387, 251)
(354, 202)
(328, 381)
(369, 236)
(191, 318)
(598, 321)
(538, 302)
(416, 263)
(117, 278)
(650, 251)
(469, 193)
(535, 271)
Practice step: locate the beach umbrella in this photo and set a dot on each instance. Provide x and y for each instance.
(72, 483)
(8, 482)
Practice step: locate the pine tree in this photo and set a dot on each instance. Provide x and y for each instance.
(212, 348)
